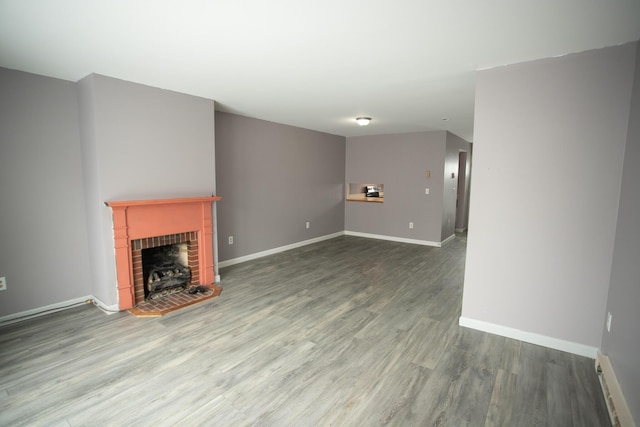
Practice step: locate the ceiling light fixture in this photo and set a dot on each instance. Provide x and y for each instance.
(363, 121)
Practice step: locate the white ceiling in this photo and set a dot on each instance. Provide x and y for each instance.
(315, 64)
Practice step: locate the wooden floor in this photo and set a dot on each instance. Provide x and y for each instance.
(345, 332)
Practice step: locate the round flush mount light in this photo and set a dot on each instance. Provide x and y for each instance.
(363, 121)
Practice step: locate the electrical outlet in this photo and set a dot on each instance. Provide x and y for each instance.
(609, 317)
(231, 240)
(3, 283)
(426, 191)
(410, 225)
(307, 225)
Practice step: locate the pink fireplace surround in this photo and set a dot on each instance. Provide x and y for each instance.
(145, 219)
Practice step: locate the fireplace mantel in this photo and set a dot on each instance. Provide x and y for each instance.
(141, 219)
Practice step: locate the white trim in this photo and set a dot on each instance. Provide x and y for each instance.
(47, 309)
(107, 309)
(278, 250)
(393, 239)
(530, 337)
(461, 230)
(453, 236)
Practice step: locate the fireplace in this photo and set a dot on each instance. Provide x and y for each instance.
(143, 224)
(164, 264)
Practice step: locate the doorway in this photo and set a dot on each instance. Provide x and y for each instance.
(462, 219)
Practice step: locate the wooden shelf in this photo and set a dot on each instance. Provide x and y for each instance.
(362, 198)
(117, 204)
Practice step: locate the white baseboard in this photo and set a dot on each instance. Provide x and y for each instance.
(257, 255)
(616, 403)
(107, 309)
(461, 230)
(394, 239)
(530, 337)
(453, 236)
(41, 311)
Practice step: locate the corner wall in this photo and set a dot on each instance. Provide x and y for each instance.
(43, 229)
(622, 344)
(273, 179)
(139, 143)
(400, 162)
(548, 151)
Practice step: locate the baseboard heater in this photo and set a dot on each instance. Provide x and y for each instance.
(616, 404)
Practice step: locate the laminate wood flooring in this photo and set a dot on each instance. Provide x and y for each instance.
(345, 332)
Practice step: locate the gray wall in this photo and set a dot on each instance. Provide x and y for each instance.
(622, 343)
(400, 162)
(273, 179)
(43, 234)
(139, 142)
(548, 151)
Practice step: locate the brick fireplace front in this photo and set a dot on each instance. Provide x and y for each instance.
(190, 239)
(142, 224)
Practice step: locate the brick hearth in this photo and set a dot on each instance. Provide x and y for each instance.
(173, 302)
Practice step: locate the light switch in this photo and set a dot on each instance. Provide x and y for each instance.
(426, 191)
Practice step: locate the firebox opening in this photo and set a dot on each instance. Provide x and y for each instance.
(165, 269)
